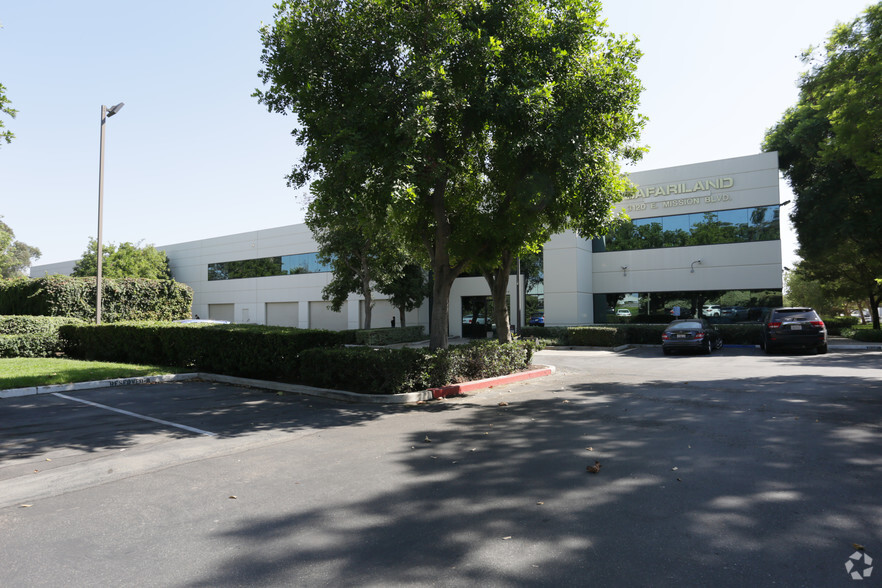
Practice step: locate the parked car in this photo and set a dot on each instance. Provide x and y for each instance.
(537, 319)
(798, 327)
(623, 312)
(711, 310)
(691, 335)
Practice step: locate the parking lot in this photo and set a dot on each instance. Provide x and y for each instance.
(725, 469)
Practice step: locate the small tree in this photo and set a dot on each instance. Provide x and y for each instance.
(126, 261)
(15, 256)
(407, 289)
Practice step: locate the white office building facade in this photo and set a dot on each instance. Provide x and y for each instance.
(706, 233)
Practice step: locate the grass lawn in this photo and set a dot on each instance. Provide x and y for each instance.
(25, 372)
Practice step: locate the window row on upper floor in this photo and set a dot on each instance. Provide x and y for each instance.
(761, 223)
(282, 265)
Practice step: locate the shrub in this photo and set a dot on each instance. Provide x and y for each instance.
(836, 325)
(741, 333)
(31, 336)
(388, 335)
(867, 335)
(595, 336)
(122, 299)
(391, 371)
(238, 350)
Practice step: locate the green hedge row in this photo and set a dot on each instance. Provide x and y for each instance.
(392, 371)
(122, 299)
(311, 357)
(633, 334)
(389, 336)
(866, 335)
(31, 336)
(252, 351)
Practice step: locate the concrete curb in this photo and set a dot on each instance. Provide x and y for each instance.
(53, 388)
(405, 398)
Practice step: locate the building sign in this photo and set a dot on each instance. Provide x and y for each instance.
(633, 203)
(683, 188)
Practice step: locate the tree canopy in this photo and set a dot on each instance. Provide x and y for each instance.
(129, 260)
(474, 129)
(830, 151)
(15, 256)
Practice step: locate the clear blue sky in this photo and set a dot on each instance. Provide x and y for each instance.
(193, 155)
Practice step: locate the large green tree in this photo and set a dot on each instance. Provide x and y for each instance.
(128, 260)
(830, 151)
(15, 256)
(487, 125)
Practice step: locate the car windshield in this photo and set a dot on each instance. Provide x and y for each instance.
(687, 325)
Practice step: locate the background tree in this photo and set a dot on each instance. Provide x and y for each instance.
(801, 290)
(829, 151)
(407, 288)
(126, 261)
(490, 124)
(15, 256)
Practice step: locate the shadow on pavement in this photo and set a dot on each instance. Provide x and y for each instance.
(761, 482)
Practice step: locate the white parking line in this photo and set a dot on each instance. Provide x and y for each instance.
(136, 415)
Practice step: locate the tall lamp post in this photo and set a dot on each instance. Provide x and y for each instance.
(105, 114)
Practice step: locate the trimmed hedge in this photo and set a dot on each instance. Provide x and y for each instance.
(311, 357)
(837, 325)
(31, 336)
(866, 335)
(389, 335)
(393, 371)
(122, 299)
(634, 334)
(252, 351)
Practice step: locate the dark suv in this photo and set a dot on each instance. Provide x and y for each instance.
(793, 327)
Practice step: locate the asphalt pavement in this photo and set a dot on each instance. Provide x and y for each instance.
(727, 470)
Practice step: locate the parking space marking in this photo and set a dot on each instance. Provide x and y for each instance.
(136, 415)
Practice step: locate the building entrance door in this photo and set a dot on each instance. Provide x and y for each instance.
(477, 320)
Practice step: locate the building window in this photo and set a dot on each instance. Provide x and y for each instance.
(741, 225)
(718, 306)
(283, 265)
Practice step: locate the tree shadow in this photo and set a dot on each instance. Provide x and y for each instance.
(36, 425)
(762, 481)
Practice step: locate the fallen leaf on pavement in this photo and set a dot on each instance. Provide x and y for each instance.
(593, 469)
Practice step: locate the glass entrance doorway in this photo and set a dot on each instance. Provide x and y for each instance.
(477, 316)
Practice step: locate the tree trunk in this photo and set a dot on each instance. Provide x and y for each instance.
(401, 316)
(368, 300)
(874, 310)
(498, 282)
(440, 309)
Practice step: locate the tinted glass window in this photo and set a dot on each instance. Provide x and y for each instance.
(705, 228)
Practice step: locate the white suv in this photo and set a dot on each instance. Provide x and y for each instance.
(711, 310)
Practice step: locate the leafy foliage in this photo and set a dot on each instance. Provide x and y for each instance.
(31, 336)
(126, 299)
(472, 129)
(126, 261)
(829, 151)
(15, 256)
(5, 108)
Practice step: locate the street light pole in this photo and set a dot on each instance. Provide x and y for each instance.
(105, 114)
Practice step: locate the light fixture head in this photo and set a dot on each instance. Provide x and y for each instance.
(115, 108)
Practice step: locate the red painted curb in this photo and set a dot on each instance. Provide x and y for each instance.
(456, 389)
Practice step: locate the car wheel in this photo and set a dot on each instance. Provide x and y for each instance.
(822, 348)
(719, 344)
(768, 348)
(666, 351)
(708, 347)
